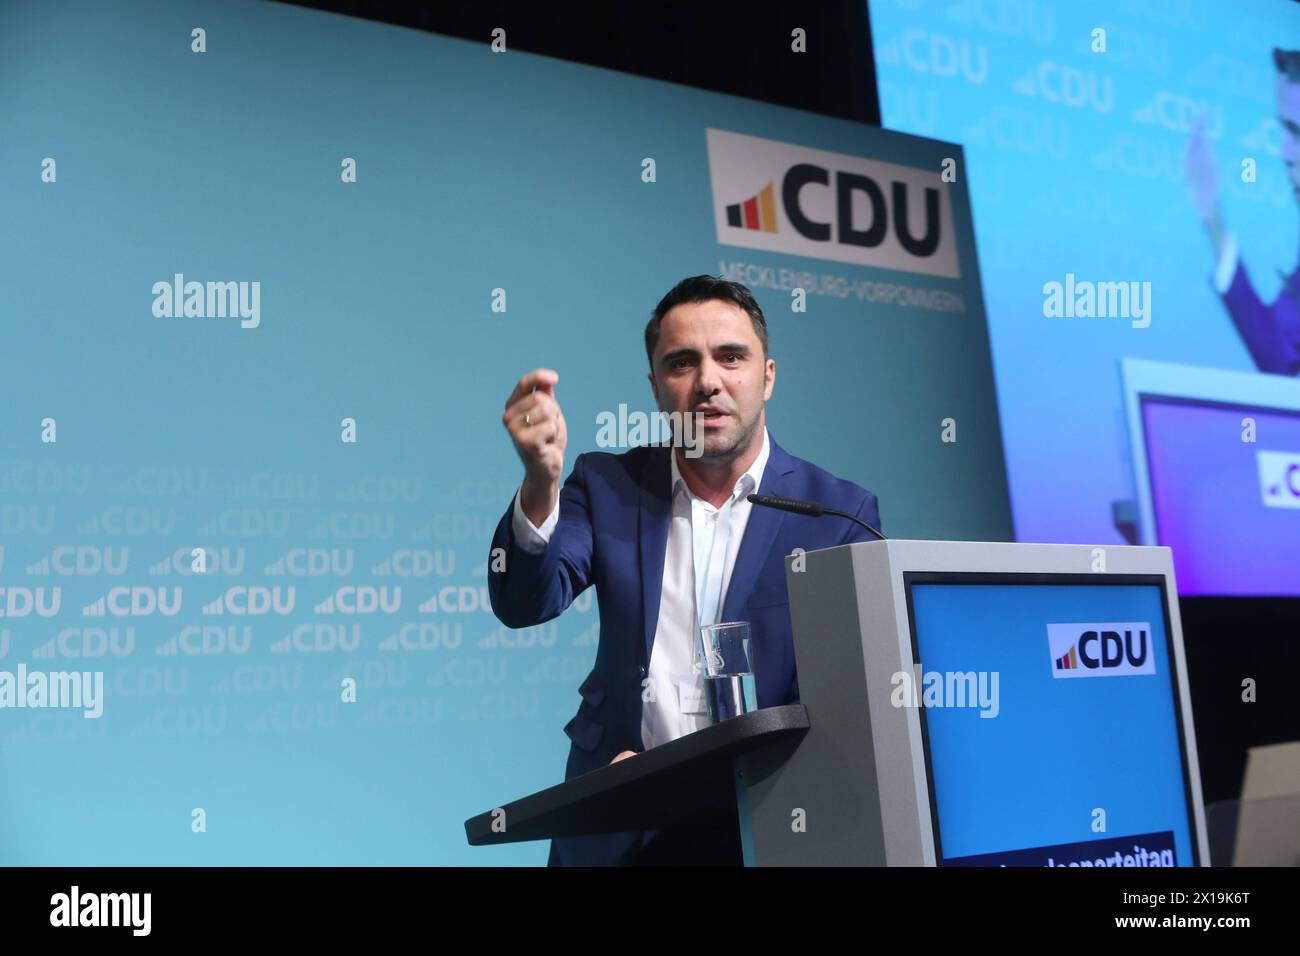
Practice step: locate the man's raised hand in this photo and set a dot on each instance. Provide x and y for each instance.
(536, 426)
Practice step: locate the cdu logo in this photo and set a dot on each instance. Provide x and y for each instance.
(1279, 478)
(1100, 650)
(782, 197)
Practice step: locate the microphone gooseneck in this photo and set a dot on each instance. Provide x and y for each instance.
(811, 508)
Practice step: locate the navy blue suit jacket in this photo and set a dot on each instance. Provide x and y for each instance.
(615, 512)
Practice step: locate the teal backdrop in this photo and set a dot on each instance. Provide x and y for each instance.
(130, 441)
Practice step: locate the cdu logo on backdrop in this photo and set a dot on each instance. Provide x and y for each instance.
(1100, 650)
(782, 197)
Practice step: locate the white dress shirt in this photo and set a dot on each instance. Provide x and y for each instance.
(703, 542)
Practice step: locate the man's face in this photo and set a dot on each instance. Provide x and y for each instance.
(1288, 114)
(710, 358)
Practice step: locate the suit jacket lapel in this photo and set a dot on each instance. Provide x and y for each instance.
(760, 532)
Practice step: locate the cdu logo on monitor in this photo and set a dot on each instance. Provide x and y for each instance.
(1279, 478)
(1100, 650)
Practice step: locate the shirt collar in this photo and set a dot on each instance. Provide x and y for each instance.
(746, 484)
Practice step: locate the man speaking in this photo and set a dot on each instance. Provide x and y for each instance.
(670, 541)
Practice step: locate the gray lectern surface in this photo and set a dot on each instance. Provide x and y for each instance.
(857, 788)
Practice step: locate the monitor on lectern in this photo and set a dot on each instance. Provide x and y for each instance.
(1050, 720)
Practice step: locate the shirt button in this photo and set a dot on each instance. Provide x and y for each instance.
(642, 670)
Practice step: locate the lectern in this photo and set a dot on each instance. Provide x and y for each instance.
(962, 703)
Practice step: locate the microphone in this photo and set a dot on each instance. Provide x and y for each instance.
(810, 508)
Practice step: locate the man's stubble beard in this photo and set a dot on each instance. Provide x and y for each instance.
(737, 448)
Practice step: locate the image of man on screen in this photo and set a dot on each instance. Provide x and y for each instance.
(1271, 332)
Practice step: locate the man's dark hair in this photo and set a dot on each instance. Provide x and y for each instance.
(704, 289)
(1288, 64)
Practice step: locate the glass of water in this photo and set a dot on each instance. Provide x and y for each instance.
(726, 664)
